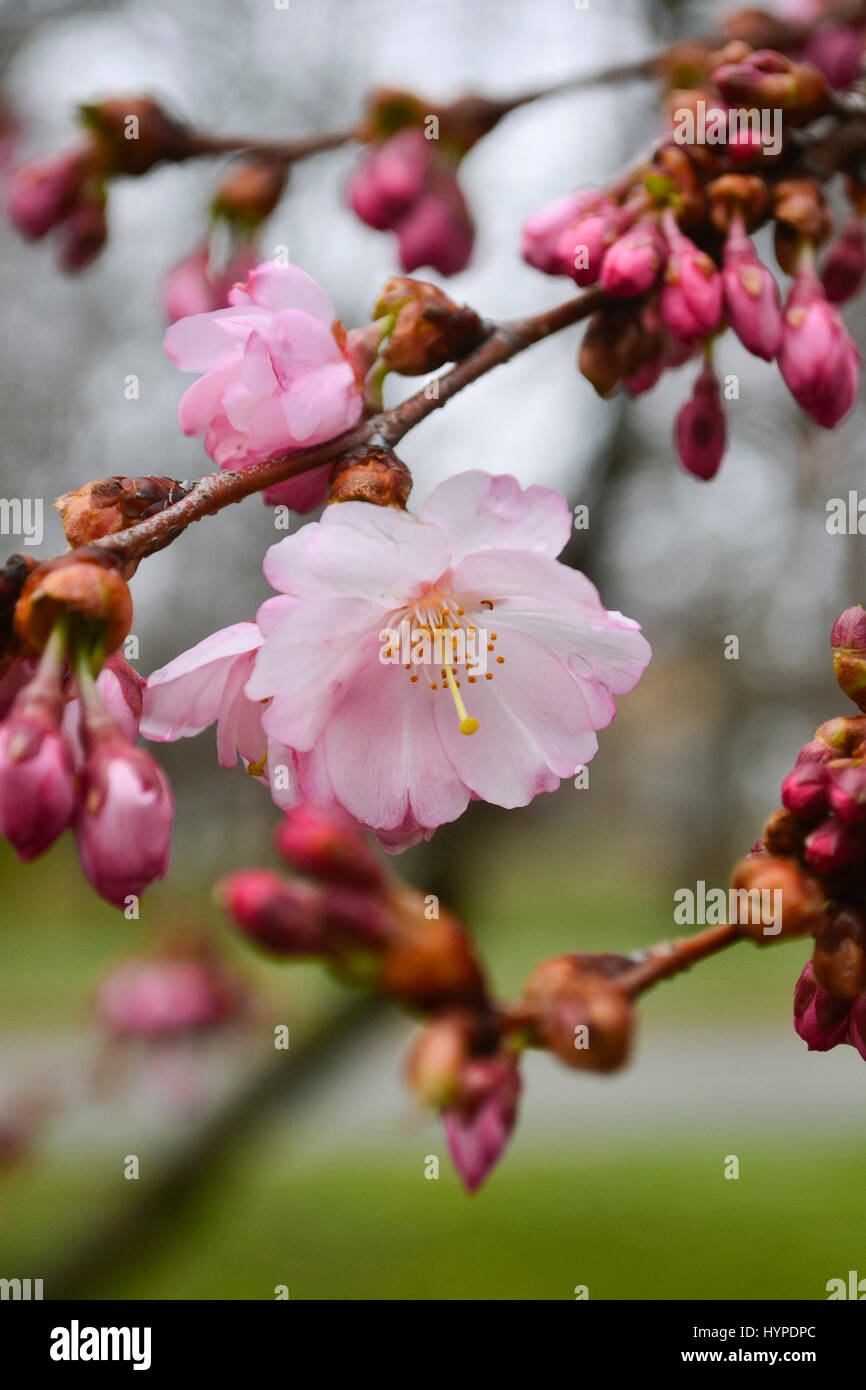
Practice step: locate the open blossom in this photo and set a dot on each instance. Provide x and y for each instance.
(383, 732)
(205, 686)
(275, 373)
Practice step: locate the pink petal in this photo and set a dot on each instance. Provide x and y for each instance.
(480, 512)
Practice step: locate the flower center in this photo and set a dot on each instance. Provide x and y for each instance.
(436, 630)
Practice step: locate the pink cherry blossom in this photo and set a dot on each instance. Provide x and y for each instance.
(275, 375)
(205, 686)
(386, 738)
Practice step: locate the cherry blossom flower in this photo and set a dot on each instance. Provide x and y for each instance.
(383, 733)
(275, 377)
(205, 686)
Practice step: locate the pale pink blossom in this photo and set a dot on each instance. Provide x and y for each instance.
(275, 374)
(205, 686)
(388, 741)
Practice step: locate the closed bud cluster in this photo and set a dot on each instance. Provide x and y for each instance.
(406, 182)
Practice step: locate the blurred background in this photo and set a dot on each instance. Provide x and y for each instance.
(316, 1181)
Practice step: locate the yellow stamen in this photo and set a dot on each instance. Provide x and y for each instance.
(468, 725)
(256, 769)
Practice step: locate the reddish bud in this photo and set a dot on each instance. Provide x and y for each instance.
(355, 917)
(805, 789)
(478, 1130)
(429, 962)
(848, 792)
(818, 361)
(751, 296)
(250, 192)
(38, 792)
(83, 233)
(700, 431)
(632, 264)
(371, 475)
(848, 641)
(328, 845)
(164, 997)
(579, 1013)
(282, 918)
(844, 265)
(821, 1019)
(44, 192)
(542, 233)
(832, 846)
(691, 297)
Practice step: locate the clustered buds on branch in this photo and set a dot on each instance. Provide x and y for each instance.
(70, 708)
(375, 933)
(669, 244)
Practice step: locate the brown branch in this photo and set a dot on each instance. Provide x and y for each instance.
(671, 957)
(217, 490)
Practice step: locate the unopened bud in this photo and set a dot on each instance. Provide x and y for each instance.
(135, 133)
(250, 192)
(282, 918)
(429, 962)
(821, 1019)
(578, 1011)
(372, 475)
(700, 430)
(832, 846)
(805, 789)
(354, 917)
(109, 505)
(840, 955)
(736, 196)
(328, 845)
(848, 641)
(800, 896)
(844, 265)
(429, 328)
(84, 588)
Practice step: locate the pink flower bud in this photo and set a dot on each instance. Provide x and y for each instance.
(632, 264)
(328, 845)
(844, 264)
(390, 178)
(187, 287)
(38, 795)
(478, 1130)
(581, 248)
(700, 428)
(355, 916)
(542, 232)
(817, 359)
(283, 918)
(813, 751)
(848, 641)
(162, 997)
(437, 230)
(123, 828)
(805, 789)
(848, 792)
(44, 191)
(821, 1019)
(751, 296)
(832, 846)
(836, 50)
(691, 298)
(82, 235)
